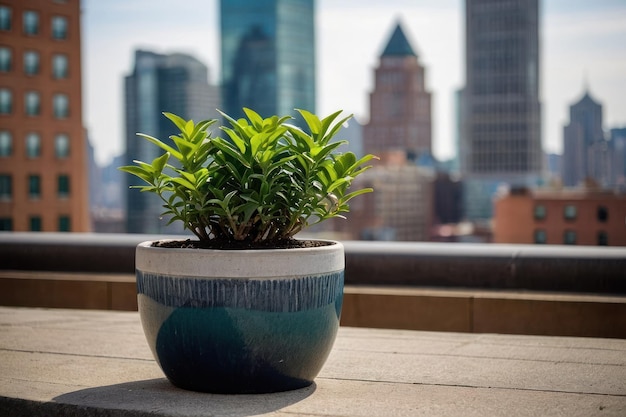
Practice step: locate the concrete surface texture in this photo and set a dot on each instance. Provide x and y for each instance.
(97, 363)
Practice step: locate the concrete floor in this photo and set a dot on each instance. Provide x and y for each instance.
(56, 362)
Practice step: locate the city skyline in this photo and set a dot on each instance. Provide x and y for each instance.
(581, 46)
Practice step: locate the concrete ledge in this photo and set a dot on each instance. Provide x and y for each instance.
(431, 309)
(68, 290)
(584, 269)
(505, 312)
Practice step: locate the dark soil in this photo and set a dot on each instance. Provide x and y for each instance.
(240, 245)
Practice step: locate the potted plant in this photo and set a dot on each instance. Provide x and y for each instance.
(245, 307)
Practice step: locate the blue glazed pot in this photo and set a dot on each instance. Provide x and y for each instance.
(240, 321)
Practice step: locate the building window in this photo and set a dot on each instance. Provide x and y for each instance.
(6, 187)
(6, 101)
(6, 59)
(569, 237)
(570, 212)
(59, 66)
(59, 27)
(540, 212)
(6, 224)
(6, 143)
(62, 145)
(31, 62)
(60, 104)
(31, 22)
(603, 238)
(64, 224)
(5, 18)
(34, 186)
(63, 186)
(603, 214)
(540, 236)
(33, 145)
(32, 103)
(35, 224)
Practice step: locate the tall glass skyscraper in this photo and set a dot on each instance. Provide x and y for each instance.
(501, 132)
(268, 56)
(174, 83)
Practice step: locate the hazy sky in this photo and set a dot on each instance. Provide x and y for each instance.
(581, 40)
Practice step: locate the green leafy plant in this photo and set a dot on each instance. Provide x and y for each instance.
(264, 182)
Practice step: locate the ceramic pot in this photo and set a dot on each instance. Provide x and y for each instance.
(240, 321)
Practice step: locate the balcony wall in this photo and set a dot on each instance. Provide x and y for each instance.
(525, 289)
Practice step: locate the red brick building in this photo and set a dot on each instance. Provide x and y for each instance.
(570, 216)
(43, 167)
(400, 105)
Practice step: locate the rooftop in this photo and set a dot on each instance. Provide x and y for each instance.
(95, 363)
(426, 329)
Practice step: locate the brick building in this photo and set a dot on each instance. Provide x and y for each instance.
(584, 216)
(43, 168)
(400, 106)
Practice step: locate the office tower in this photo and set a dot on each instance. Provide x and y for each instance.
(400, 112)
(618, 149)
(399, 132)
(174, 83)
(43, 170)
(583, 140)
(501, 134)
(268, 56)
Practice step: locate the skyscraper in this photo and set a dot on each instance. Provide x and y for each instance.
(175, 83)
(583, 142)
(501, 133)
(268, 56)
(618, 148)
(399, 130)
(400, 116)
(43, 168)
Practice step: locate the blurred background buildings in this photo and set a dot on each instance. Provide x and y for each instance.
(496, 188)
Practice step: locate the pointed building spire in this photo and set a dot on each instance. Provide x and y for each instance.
(398, 44)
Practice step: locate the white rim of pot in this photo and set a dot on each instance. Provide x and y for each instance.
(247, 263)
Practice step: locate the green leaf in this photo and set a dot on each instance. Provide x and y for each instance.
(328, 120)
(189, 127)
(227, 149)
(177, 120)
(257, 121)
(159, 163)
(336, 129)
(162, 145)
(353, 194)
(184, 183)
(311, 120)
(139, 172)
